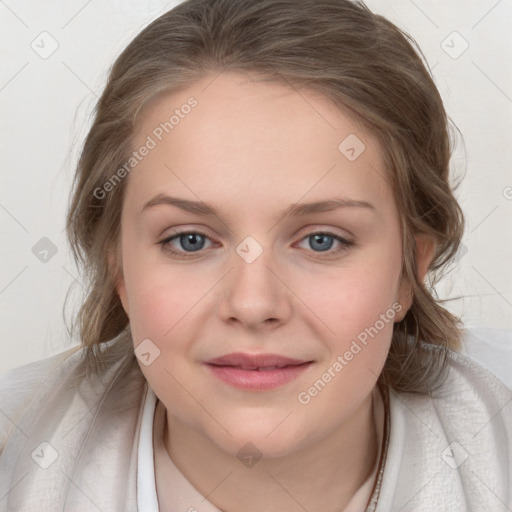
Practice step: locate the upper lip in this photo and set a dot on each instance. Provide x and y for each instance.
(248, 361)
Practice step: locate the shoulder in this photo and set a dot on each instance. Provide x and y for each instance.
(51, 383)
(492, 349)
(469, 398)
(452, 449)
(474, 378)
(28, 375)
(473, 385)
(471, 389)
(85, 416)
(19, 385)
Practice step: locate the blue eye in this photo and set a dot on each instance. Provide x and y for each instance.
(323, 242)
(190, 242)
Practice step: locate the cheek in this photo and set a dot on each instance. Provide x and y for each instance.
(164, 298)
(160, 306)
(352, 298)
(360, 307)
(162, 310)
(357, 307)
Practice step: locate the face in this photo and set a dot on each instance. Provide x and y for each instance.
(248, 271)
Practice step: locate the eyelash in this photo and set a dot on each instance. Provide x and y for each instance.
(345, 244)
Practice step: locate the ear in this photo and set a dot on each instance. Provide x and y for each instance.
(425, 249)
(116, 269)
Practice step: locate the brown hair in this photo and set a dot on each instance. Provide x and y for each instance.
(359, 60)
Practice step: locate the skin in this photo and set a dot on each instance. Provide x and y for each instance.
(253, 148)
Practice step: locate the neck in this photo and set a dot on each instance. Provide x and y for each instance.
(323, 476)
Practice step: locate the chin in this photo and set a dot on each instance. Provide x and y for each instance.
(260, 440)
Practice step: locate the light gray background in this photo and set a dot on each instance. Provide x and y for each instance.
(45, 110)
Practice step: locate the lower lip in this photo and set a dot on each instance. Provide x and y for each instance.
(255, 379)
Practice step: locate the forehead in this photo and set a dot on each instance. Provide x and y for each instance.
(244, 134)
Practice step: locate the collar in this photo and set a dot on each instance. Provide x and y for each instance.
(147, 500)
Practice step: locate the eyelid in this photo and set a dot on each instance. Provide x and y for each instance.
(314, 229)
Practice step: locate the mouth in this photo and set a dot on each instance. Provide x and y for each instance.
(256, 368)
(257, 372)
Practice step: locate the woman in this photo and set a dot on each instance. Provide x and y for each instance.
(261, 205)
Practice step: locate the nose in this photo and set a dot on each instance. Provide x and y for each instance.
(254, 294)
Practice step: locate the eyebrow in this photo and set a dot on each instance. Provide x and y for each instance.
(294, 210)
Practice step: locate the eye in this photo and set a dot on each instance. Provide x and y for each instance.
(188, 242)
(323, 241)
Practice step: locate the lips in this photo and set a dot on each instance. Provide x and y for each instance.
(260, 362)
(257, 372)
